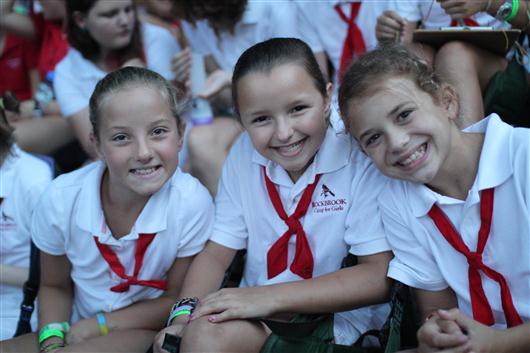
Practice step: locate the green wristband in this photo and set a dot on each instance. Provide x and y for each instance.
(515, 8)
(178, 313)
(44, 335)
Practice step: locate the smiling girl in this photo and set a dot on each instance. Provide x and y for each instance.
(298, 197)
(457, 220)
(105, 35)
(118, 235)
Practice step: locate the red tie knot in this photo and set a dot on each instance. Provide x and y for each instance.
(474, 259)
(294, 224)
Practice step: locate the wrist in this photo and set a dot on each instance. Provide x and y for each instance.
(102, 324)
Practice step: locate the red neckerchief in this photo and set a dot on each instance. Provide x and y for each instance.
(481, 308)
(467, 21)
(277, 255)
(114, 262)
(354, 45)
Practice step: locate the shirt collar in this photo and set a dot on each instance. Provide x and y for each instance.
(334, 153)
(7, 170)
(90, 217)
(495, 166)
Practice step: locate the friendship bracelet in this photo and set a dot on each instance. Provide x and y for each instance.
(177, 313)
(515, 8)
(102, 323)
(184, 306)
(54, 329)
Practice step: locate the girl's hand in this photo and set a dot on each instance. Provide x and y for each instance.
(236, 303)
(459, 9)
(175, 329)
(215, 83)
(481, 338)
(389, 26)
(181, 67)
(82, 330)
(438, 333)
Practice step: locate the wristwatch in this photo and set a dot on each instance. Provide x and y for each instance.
(504, 10)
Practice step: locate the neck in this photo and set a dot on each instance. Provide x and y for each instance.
(459, 170)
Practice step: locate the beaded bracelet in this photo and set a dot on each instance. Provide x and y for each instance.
(51, 347)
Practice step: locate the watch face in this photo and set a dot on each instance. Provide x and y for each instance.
(504, 11)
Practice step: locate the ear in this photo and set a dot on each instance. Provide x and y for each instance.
(79, 19)
(327, 101)
(95, 142)
(450, 101)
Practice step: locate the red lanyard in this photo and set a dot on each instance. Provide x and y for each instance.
(467, 21)
(114, 262)
(277, 255)
(481, 308)
(354, 45)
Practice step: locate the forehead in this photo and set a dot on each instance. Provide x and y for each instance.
(134, 99)
(109, 5)
(282, 83)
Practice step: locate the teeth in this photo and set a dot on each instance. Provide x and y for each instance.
(413, 157)
(291, 147)
(143, 171)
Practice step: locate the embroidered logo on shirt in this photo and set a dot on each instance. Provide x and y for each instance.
(328, 202)
(326, 191)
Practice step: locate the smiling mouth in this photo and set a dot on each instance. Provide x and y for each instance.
(144, 171)
(414, 158)
(291, 149)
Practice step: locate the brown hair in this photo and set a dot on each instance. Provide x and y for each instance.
(265, 56)
(8, 102)
(81, 40)
(220, 14)
(364, 75)
(127, 77)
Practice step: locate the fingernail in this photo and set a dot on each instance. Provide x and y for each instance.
(190, 317)
(212, 318)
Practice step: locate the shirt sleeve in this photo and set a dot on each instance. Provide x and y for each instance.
(364, 227)
(308, 32)
(197, 220)
(160, 47)
(230, 229)
(413, 264)
(68, 89)
(409, 10)
(47, 232)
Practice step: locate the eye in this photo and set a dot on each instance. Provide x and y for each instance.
(298, 108)
(260, 119)
(404, 115)
(371, 140)
(120, 138)
(159, 131)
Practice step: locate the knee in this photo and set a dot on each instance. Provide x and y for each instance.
(202, 336)
(200, 140)
(455, 53)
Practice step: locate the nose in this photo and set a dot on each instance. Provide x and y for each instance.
(398, 140)
(123, 18)
(284, 129)
(144, 152)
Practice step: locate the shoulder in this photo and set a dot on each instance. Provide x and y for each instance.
(68, 64)
(155, 32)
(30, 174)
(189, 190)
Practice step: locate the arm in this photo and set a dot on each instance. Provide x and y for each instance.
(217, 85)
(459, 9)
(55, 292)
(12, 275)
(204, 276)
(357, 286)
(18, 24)
(148, 314)
(81, 127)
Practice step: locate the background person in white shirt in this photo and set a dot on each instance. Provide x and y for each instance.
(457, 220)
(118, 235)
(23, 178)
(291, 159)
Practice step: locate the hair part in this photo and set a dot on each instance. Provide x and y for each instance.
(366, 75)
(128, 77)
(265, 56)
(80, 39)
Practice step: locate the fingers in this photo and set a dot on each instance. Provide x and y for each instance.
(181, 65)
(388, 25)
(215, 83)
(440, 333)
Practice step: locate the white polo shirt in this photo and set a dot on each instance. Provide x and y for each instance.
(344, 219)
(70, 215)
(323, 29)
(433, 15)
(23, 178)
(76, 77)
(261, 20)
(424, 259)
